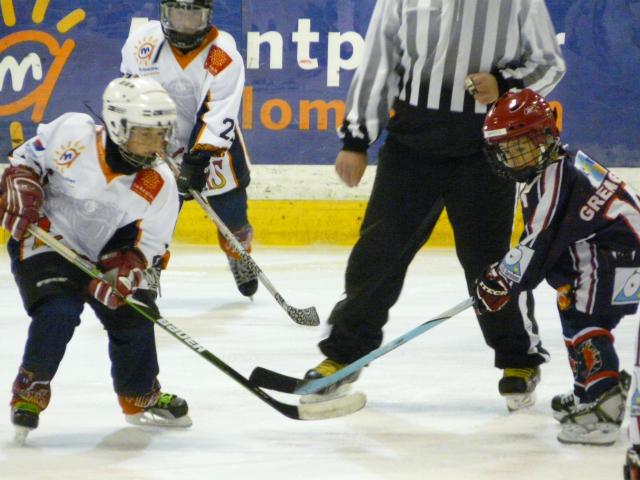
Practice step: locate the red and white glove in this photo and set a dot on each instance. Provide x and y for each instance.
(21, 199)
(125, 269)
(491, 291)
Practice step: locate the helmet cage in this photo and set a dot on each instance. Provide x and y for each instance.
(523, 165)
(185, 25)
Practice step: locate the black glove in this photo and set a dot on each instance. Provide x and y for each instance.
(491, 291)
(193, 173)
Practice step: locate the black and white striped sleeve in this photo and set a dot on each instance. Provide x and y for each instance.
(376, 80)
(542, 63)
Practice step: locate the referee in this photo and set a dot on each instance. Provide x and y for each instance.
(430, 69)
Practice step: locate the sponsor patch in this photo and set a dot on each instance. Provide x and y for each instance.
(516, 262)
(147, 184)
(591, 169)
(217, 60)
(626, 286)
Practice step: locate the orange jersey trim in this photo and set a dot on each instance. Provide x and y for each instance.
(109, 175)
(184, 59)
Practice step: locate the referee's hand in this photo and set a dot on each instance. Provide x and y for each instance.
(350, 167)
(483, 87)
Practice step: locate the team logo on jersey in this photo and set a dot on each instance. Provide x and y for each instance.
(67, 154)
(565, 297)
(516, 262)
(595, 172)
(591, 358)
(145, 49)
(626, 286)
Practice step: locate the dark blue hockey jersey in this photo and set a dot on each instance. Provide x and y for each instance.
(582, 230)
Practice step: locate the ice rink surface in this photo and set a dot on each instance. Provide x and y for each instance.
(433, 408)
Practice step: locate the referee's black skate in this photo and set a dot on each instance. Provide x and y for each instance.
(324, 369)
(518, 386)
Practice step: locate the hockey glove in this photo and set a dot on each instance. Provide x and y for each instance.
(491, 291)
(21, 199)
(125, 271)
(193, 173)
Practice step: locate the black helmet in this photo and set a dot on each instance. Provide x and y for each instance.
(185, 22)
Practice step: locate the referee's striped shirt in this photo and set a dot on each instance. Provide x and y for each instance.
(418, 53)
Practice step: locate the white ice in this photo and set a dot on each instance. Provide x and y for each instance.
(433, 409)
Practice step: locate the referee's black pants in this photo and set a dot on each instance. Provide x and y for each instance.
(409, 193)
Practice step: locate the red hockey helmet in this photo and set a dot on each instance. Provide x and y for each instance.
(521, 134)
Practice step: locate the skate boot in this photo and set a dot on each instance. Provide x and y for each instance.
(246, 279)
(518, 386)
(631, 468)
(597, 422)
(565, 403)
(324, 369)
(167, 410)
(31, 395)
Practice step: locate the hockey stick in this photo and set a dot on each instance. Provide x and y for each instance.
(276, 381)
(302, 316)
(316, 411)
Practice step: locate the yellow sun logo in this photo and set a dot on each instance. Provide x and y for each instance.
(145, 49)
(67, 154)
(17, 70)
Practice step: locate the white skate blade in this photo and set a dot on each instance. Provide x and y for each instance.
(149, 419)
(520, 401)
(600, 434)
(20, 437)
(333, 408)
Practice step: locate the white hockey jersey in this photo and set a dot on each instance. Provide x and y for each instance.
(86, 202)
(206, 83)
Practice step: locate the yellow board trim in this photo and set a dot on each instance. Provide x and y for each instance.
(301, 222)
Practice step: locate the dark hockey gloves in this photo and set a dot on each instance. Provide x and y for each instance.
(21, 199)
(491, 291)
(125, 271)
(193, 173)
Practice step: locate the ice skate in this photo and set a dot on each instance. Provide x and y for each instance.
(339, 389)
(169, 411)
(245, 277)
(518, 386)
(25, 417)
(565, 403)
(597, 422)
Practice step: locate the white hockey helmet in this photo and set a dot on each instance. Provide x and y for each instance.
(136, 102)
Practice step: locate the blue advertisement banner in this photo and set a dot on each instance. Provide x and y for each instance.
(58, 55)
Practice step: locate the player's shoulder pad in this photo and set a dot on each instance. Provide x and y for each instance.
(72, 125)
(222, 53)
(153, 28)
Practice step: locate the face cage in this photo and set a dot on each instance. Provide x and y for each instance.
(547, 146)
(135, 160)
(180, 39)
